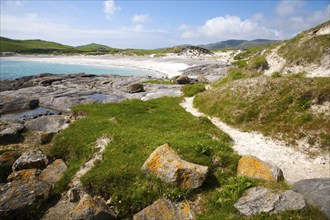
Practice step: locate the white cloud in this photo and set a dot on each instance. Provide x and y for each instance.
(141, 18)
(257, 17)
(184, 27)
(231, 27)
(287, 8)
(110, 8)
(14, 26)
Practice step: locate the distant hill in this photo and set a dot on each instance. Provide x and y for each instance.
(95, 47)
(31, 46)
(237, 44)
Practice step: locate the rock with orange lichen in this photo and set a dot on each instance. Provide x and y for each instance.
(253, 167)
(53, 172)
(164, 163)
(28, 174)
(20, 198)
(92, 209)
(164, 209)
(7, 159)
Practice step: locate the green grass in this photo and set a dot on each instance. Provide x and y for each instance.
(136, 129)
(192, 89)
(279, 107)
(304, 49)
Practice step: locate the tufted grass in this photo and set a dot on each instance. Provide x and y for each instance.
(136, 129)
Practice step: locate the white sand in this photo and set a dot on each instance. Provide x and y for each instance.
(169, 67)
(294, 164)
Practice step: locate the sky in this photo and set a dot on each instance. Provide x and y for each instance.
(158, 23)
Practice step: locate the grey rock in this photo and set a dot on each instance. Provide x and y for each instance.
(164, 209)
(19, 199)
(316, 192)
(11, 103)
(261, 200)
(31, 159)
(27, 174)
(11, 134)
(51, 123)
(165, 164)
(92, 209)
(53, 172)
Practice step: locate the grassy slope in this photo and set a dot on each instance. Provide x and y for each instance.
(137, 128)
(7, 44)
(305, 48)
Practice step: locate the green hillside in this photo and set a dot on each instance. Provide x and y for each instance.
(32, 46)
(238, 44)
(95, 47)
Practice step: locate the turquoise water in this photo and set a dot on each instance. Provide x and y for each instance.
(12, 69)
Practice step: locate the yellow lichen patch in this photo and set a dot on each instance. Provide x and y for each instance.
(255, 168)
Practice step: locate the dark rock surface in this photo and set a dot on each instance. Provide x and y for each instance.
(31, 159)
(136, 87)
(18, 199)
(11, 133)
(316, 192)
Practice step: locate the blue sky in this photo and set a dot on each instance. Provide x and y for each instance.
(156, 24)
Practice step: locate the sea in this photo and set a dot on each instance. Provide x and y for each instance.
(13, 69)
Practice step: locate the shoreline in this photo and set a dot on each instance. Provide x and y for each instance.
(168, 67)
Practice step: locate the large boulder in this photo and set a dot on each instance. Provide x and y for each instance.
(19, 199)
(261, 200)
(254, 167)
(11, 134)
(53, 172)
(136, 87)
(167, 165)
(31, 159)
(92, 209)
(164, 209)
(51, 123)
(183, 79)
(316, 192)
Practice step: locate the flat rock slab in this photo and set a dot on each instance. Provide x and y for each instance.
(18, 199)
(92, 209)
(167, 165)
(164, 209)
(316, 192)
(53, 172)
(51, 123)
(261, 200)
(11, 134)
(254, 167)
(31, 159)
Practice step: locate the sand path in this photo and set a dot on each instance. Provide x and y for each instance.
(294, 164)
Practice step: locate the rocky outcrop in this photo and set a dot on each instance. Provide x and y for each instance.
(18, 199)
(164, 209)
(53, 172)
(253, 167)
(261, 200)
(316, 192)
(10, 103)
(164, 163)
(183, 79)
(92, 209)
(52, 123)
(31, 159)
(8, 158)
